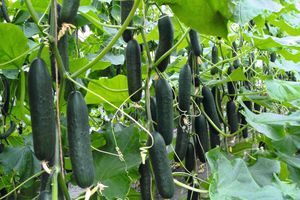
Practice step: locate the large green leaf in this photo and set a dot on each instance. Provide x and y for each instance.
(233, 180)
(113, 172)
(113, 90)
(287, 92)
(13, 44)
(286, 65)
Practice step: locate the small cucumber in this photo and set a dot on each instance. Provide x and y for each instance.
(236, 62)
(166, 37)
(164, 102)
(153, 109)
(185, 79)
(182, 140)
(134, 72)
(145, 180)
(126, 7)
(231, 85)
(232, 116)
(79, 140)
(190, 157)
(42, 110)
(202, 140)
(195, 42)
(214, 59)
(161, 167)
(69, 10)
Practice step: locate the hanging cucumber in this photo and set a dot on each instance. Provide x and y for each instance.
(195, 42)
(182, 141)
(273, 57)
(214, 59)
(69, 10)
(185, 79)
(153, 109)
(236, 62)
(231, 85)
(232, 116)
(79, 140)
(145, 180)
(134, 74)
(164, 102)
(202, 140)
(211, 110)
(190, 157)
(4, 11)
(42, 110)
(217, 97)
(126, 7)
(161, 167)
(166, 37)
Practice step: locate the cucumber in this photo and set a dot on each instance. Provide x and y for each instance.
(5, 96)
(126, 7)
(232, 116)
(185, 79)
(202, 140)
(191, 61)
(79, 140)
(161, 167)
(166, 37)
(153, 111)
(134, 72)
(40, 96)
(4, 11)
(273, 57)
(191, 195)
(244, 123)
(190, 160)
(214, 59)
(45, 195)
(236, 62)
(182, 141)
(211, 110)
(69, 10)
(145, 180)
(195, 42)
(164, 102)
(231, 85)
(217, 97)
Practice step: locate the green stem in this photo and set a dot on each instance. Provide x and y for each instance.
(189, 187)
(23, 183)
(111, 43)
(63, 186)
(33, 14)
(172, 49)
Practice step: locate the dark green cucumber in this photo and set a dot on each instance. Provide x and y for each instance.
(214, 59)
(236, 62)
(153, 109)
(42, 110)
(79, 140)
(257, 107)
(161, 167)
(190, 157)
(217, 96)
(69, 10)
(164, 102)
(166, 37)
(209, 105)
(195, 42)
(126, 7)
(244, 123)
(5, 96)
(4, 11)
(185, 79)
(182, 140)
(231, 85)
(191, 61)
(191, 195)
(232, 116)
(273, 57)
(134, 72)
(201, 139)
(145, 180)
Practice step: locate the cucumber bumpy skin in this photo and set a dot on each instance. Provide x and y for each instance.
(42, 110)
(134, 72)
(79, 140)
(195, 42)
(164, 103)
(166, 37)
(202, 140)
(126, 6)
(185, 79)
(161, 167)
(214, 59)
(69, 10)
(232, 116)
(145, 180)
(181, 145)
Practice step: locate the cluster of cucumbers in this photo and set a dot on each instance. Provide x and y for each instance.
(43, 120)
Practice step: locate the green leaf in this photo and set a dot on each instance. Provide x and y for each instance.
(12, 46)
(233, 180)
(237, 75)
(113, 90)
(110, 170)
(286, 65)
(286, 92)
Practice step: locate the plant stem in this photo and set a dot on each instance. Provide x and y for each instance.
(111, 43)
(63, 186)
(33, 14)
